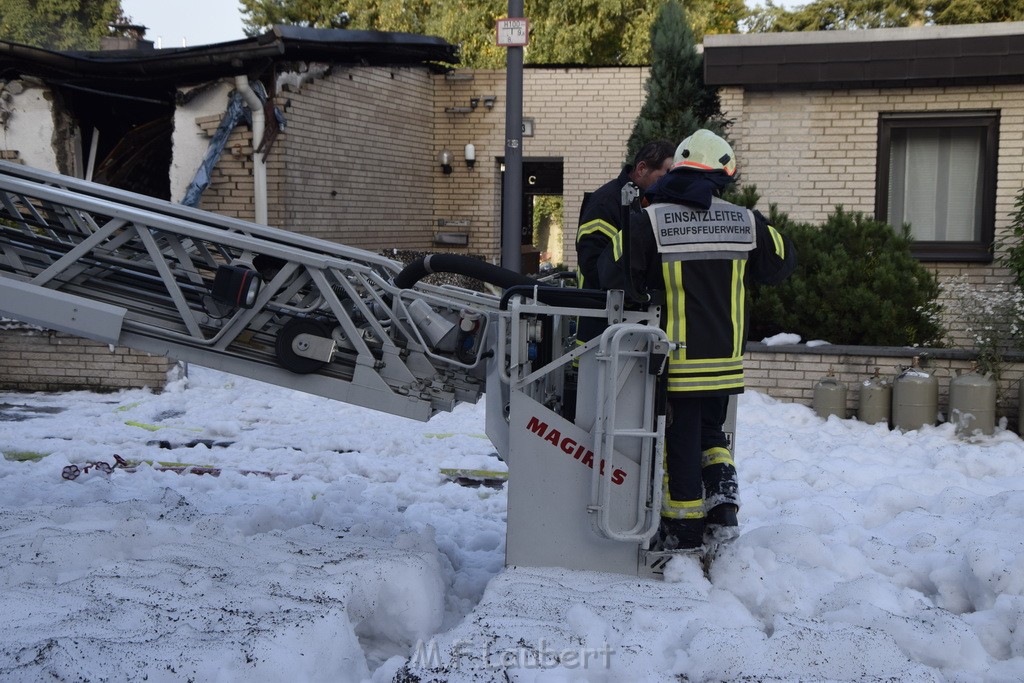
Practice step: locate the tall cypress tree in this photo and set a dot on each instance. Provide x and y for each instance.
(678, 102)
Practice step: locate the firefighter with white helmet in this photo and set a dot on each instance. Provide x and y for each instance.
(699, 252)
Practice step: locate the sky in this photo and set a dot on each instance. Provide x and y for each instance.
(197, 22)
(331, 548)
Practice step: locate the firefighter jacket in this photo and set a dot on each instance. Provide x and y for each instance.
(599, 223)
(702, 257)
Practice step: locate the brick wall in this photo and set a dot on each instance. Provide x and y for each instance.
(789, 373)
(230, 192)
(43, 360)
(582, 117)
(355, 163)
(358, 160)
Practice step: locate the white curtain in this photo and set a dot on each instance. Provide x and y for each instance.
(935, 182)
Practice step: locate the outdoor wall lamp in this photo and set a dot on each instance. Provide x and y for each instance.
(470, 155)
(473, 102)
(445, 157)
(489, 101)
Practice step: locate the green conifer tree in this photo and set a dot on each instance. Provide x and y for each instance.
(678, 102)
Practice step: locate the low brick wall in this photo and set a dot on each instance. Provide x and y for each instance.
(789, 372)
(43, 360)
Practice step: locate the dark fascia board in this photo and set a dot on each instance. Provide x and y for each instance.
(161, 71)
(874, 58)
(365, 47)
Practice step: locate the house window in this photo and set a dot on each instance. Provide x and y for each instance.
(938, 173)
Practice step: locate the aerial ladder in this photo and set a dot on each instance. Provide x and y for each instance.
(585, 481)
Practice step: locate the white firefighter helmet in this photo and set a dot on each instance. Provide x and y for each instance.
(704, 151)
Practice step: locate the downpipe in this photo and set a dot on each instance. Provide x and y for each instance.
(259, 165)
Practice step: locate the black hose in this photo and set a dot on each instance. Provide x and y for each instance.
(558, 296)
(510, 281)
(461, 265)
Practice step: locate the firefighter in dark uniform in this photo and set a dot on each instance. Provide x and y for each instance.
(600, 216)
(700, 252)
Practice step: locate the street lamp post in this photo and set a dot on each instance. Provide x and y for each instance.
(513, 33)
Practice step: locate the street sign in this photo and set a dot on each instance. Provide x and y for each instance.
(512, 32)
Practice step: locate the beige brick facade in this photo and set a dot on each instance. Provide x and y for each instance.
(42, 360)
(582, 117)
(231, 185)
(355, 163)
(358, 160)
(811, 150)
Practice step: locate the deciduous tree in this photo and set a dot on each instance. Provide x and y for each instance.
(259, 15)
(825, 15)
(58, 24)
(587, 32)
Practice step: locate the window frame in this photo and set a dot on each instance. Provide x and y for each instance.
(942, 250)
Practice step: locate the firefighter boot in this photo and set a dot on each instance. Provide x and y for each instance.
(723, 515)
(723, 526)
(681, 534)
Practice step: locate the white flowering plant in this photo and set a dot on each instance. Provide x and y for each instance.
(987, 318)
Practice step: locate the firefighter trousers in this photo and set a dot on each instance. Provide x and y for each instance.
(700, 472)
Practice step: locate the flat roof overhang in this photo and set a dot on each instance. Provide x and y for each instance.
(971, 54)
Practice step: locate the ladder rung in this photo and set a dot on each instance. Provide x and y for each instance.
(632, 432)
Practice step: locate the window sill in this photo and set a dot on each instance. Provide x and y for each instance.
(971, 252)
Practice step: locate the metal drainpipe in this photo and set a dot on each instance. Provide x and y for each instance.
(259, 166)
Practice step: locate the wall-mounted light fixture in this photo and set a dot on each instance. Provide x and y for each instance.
(445, 157)
(470, 155)
(474, 102)
(489, 101)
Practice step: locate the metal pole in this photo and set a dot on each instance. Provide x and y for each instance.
(512, 211)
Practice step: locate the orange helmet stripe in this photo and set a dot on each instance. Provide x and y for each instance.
(703, 167)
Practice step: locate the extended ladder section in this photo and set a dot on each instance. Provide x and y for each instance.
(322, 318)
(251, 300)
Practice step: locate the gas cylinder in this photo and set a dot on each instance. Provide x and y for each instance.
(875, 399)
(829, 396)
(972, 403)
(915, 398)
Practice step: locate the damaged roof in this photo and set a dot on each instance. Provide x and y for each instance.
(149, 71)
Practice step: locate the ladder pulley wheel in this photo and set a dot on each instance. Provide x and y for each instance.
(286, 354)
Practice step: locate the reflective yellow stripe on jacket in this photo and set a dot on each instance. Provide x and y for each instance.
(780, 245)
(598, 225)
(704, 374)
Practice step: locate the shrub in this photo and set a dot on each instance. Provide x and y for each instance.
(856, 283)
(1013, 254)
